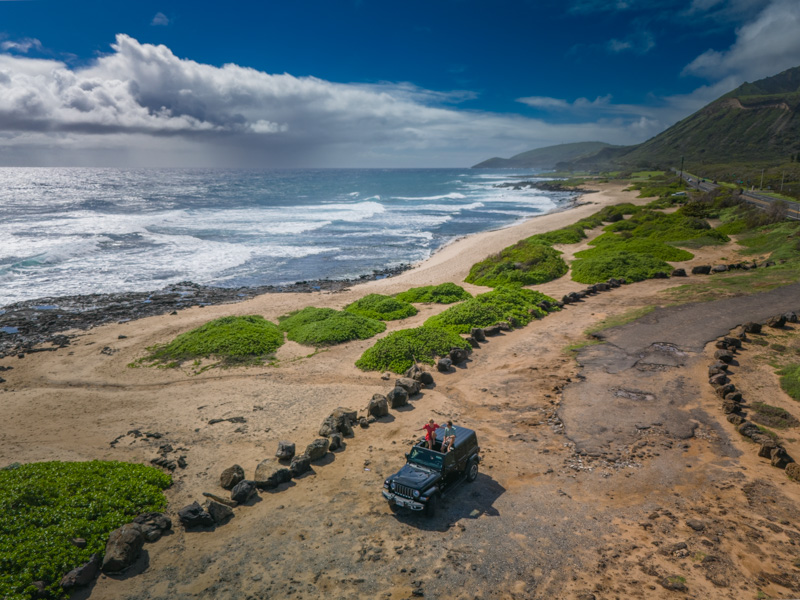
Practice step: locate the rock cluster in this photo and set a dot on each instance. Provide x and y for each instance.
(612, 283)
(732, 400)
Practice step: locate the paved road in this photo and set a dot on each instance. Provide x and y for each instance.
(642, 378)
(761, 200)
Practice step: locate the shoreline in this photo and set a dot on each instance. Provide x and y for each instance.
(28, 324)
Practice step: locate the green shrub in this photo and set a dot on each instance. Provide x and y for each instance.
(695, 208)
(445, 293)
(790, 380)
(232, 340)
(780, 240)
(733, 227)
(631, 266)
(502, 304)
(383, 308)
(615, 242)
(46, 504)
(327, 327)
(524, 263)
(398, 351)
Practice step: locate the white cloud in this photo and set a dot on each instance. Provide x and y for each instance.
(763, 47)
(141, 104)
(21, 46)
(640, 42)
(160, 19)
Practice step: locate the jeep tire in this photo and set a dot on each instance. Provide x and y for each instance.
(430, 507)
(472, 470)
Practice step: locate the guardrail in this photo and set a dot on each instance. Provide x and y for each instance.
(760, 200)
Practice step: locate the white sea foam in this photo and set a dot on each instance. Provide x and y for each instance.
(451, 196)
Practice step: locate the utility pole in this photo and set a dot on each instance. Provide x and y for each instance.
(761, 187)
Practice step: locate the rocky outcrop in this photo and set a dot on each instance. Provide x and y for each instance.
(397, 397)
(378, 406)
(219, 512)
(300, 464)
(82, 575)
(340, 420)
(409, 385)
(153, 524)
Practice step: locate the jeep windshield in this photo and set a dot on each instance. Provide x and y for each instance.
(426, 458)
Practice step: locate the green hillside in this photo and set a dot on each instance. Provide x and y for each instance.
(545, 158)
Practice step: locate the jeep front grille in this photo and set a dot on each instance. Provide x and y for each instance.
(403, 490)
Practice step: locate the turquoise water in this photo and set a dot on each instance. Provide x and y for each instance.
(80, 231)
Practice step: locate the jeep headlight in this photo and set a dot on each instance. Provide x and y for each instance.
(386, 484)
(392, 486)
(416, 493)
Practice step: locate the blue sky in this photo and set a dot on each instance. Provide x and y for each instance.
(366, 83)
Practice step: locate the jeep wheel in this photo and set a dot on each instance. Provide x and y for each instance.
(472, 470)
(430, 507)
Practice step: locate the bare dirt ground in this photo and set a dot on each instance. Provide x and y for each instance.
(548, 517)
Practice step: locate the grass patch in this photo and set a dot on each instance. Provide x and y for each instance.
(231, 340)
(614, 263)
(772, 416)
(780, 241)
(617, 320)
(656, 249)
(382, 308)
(573, 349)
(741, 283)
(327, 327)
(790, 380)
(503, 304)
(46, 504)
(525, 263)
(445, 293)
(401, 349)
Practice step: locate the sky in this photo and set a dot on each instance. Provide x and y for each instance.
(365, 83)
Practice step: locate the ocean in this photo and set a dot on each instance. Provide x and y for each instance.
(72, 231)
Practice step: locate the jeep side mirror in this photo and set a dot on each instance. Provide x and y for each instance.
(408, 455)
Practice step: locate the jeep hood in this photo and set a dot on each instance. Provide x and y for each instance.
(414, 477)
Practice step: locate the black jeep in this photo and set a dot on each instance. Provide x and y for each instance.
(429, 474)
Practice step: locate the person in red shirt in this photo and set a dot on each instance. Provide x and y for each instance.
(430, 428)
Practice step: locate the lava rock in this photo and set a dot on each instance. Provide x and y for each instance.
(154, 524)
(378, 406)
(231, 476)
(478, 334)
(409, 385)
(300, 464)
(270, 474)
(317, 449)
(443, 365)
(458, 355)
(285, 451)
(218, 511)
(336, 441)
(719, 268)
(397, 397)
(776, 322)
(82, 575)
(243, 491)
(193, 515)
(123, 548)
(701, 270)
(679, 272)
(752, 327)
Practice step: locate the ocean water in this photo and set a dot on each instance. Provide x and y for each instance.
(69, 231)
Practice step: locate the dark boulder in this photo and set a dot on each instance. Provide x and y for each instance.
(733, 342)
(701, 270)
(721, 344)
(504, 326)
(285, 450)
(614, 282)
(779, 458)
(765, 451)
(458, 355)
(194, 515)
(411, 386)
(231, 476)
(492, 330)
(270, 474)
(317, 449)
(340, 420)
(729, 406)
(713, 370)
(472, 341)
(776, 322)
(243, 491)
(724, 390)
(545, 306)
(752, 327)
(602, 287)
(218, 511)
(154, 524)
(443, 365)
(720, 365)
(123, 547)
(793, 471)
(477, 333)
(719, 268)
(398, 397)
(426, 378)
(679, 273)
(336, 441)
(378, 406)
(735, 396)
(82, 575)
(736, 419)
(723, 355)
(300, 464)
(660, 275)
(791, 317)
(719, 379)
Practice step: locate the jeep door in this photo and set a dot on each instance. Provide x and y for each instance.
(450, 471)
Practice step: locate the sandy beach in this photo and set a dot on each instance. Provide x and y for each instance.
(546, 518)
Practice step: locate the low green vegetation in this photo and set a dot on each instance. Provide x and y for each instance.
(790, 380)
(772, 416)
(383, 308)
(610, 241)
(525, 263)
(445, 293)
(616, 321)
(230, 340)
(631, 266)
(780, 241)
(502, 304)
(401, 349)
(46, 504)
(327, 327)
(735, 283)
